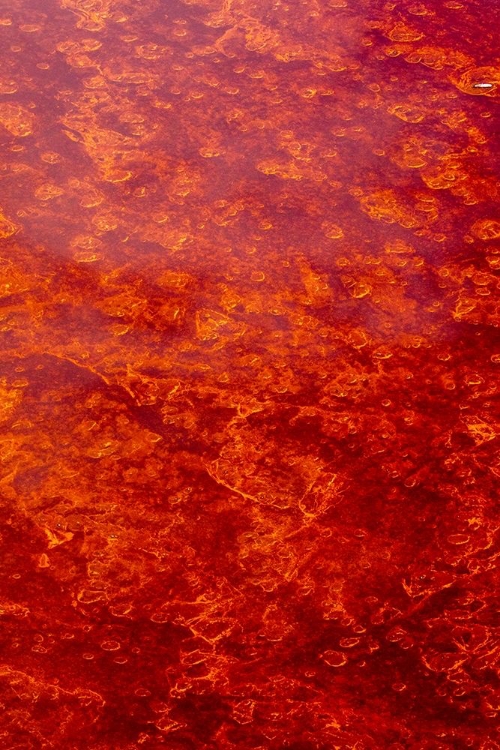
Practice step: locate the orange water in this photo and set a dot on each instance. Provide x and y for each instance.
(249, 393)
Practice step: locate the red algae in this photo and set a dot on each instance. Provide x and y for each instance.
(249, 405)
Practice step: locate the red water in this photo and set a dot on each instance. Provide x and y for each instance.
(249, 413)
